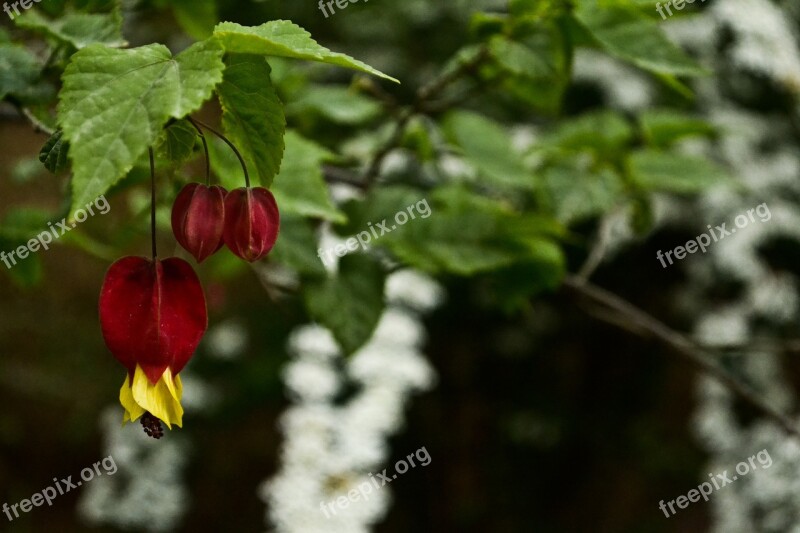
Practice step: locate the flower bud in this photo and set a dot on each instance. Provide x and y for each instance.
(251, 222)
(198, 216)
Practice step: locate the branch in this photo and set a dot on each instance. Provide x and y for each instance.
(423, 96)
(632, 318)
(38, 125)
(598, 251)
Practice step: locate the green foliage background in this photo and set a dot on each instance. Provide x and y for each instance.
(526, 427)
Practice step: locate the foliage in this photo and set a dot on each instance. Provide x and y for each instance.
(511, 177)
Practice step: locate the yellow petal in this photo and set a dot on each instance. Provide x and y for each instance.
(162, 400)
(132, 409)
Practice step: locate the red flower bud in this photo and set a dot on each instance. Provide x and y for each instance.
(153, 314)
(251, 222)
(198, 216)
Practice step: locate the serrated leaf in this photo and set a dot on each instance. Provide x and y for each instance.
(351, 303)
(178, 140)
(629, 35)
(199, 69)
(602, 131)
(297, 247)
(196, 17)
(19, 69)
(335, 103)
(54, 153)
(114, 103)
(664, 126)
(285, 39)
(75, 28)
(576, 194)
(453, 230)
(521, 60)
(488, 147)
(252, 114)
(665, 171)
(300, 188)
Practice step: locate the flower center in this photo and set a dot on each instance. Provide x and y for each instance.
(152, 426)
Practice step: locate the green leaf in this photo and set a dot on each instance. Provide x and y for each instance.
(521, 60)
(625, 33)
(453, 230)
(196, 17)
(535, 65)
(22, 224)
(19, 69)
(297, 246)
(177, 142)
(114, 103)
(54, 153)
(575, 194)
(17, 228)
(198, 70)
(335, 103)
(602, 131)
(664, 126)
(224, 164)
(285, 39)
(28, 272)
(661, 171)
(515, 285)
(488, 147)
(351, 303)
(300, 188)
(252, 114)
(78, 29)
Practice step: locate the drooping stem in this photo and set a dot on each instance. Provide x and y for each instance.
(153, 202)
(232, 146)
(621, 313)
(205, 149)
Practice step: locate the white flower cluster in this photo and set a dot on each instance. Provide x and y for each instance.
(761, 148)
(332, 443)
(147, 492)
(763, 43)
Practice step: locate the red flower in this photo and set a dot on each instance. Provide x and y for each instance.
(153, 315)
(198, 216)
(251, 222)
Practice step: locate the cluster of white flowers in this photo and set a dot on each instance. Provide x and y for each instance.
(761, 150)
(334, 440)
(147, 491)
(763, 43)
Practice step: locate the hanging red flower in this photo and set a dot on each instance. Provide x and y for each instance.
(153, 315)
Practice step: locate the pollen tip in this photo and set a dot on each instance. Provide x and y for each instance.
(152, 426)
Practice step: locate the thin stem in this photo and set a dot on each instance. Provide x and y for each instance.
(621, 313)
(153, 203)
(422, 98)
(229, 143)
(205, 148)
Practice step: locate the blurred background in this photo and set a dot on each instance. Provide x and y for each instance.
(537, 415)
